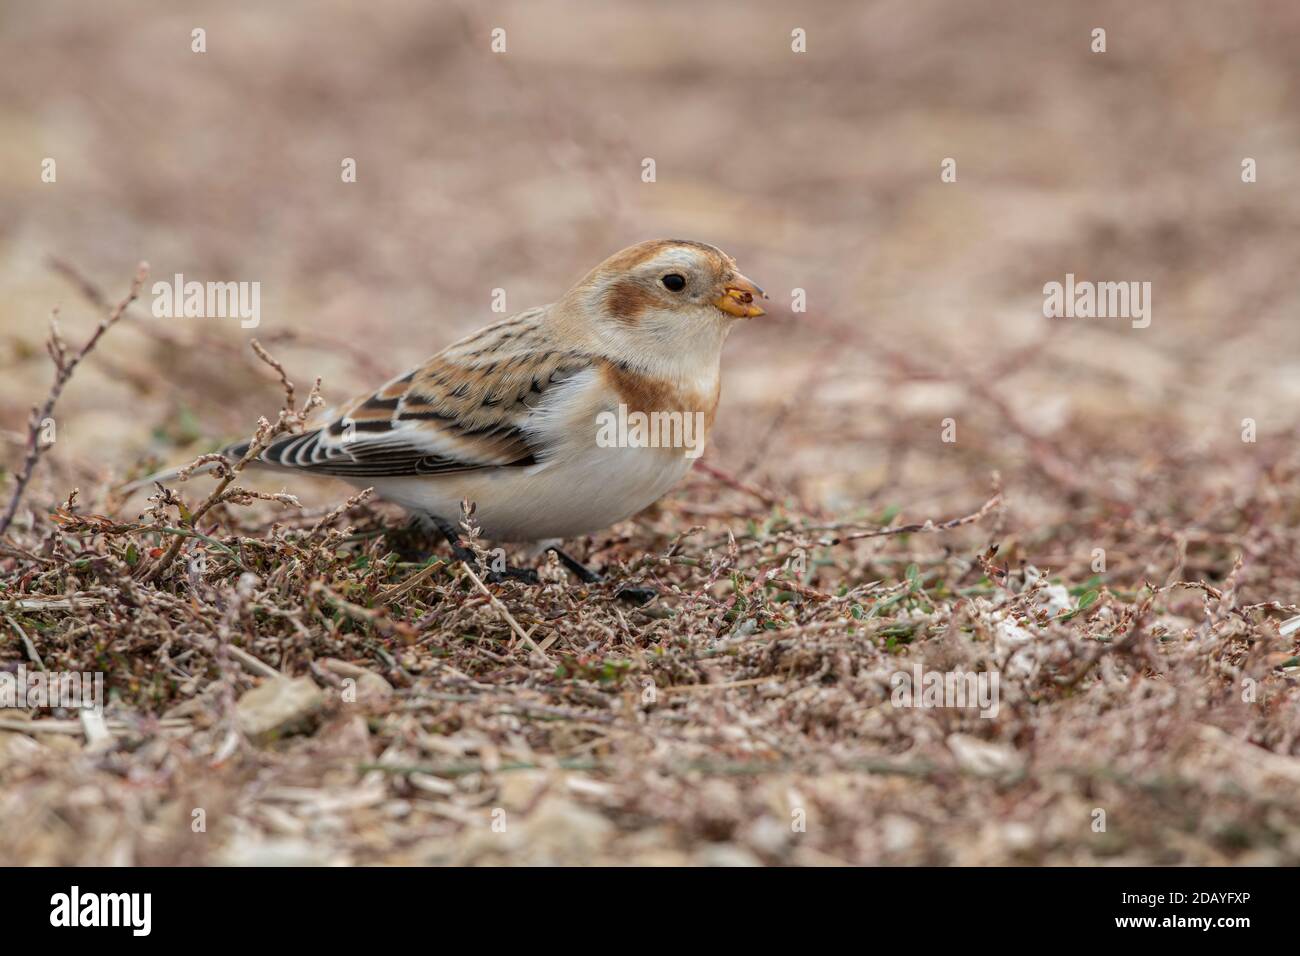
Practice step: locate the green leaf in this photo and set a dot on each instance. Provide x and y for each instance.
(1086, 586)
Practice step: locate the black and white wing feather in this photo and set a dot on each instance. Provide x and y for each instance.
(470, 407)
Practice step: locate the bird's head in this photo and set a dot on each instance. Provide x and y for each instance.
(666, 292)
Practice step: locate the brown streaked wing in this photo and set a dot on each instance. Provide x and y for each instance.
(465, 409)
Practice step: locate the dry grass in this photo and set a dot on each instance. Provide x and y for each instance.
(755, 690)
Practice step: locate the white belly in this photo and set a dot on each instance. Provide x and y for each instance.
(559, 499)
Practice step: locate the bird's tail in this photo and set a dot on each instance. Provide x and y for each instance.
(232, 453)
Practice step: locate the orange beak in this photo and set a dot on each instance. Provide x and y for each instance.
(738, 298)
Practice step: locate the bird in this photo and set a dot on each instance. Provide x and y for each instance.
(528, 419)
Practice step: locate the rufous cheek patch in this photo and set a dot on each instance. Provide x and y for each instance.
(627, 300)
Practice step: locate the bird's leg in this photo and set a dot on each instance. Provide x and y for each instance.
(577, 568)
(462, 553)
(588, 576)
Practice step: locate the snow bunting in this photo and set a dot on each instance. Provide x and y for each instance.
(559, 421)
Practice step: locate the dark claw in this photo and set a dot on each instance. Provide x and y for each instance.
(637, 595)
(527, 575)
(577, 568)
(509, 572)
(462, 553)
(588, 576)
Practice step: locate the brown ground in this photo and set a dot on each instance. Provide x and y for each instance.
(707, 727)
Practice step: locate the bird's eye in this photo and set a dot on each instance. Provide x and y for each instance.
(674, 282)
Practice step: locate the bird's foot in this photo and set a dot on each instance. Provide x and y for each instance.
(637, 595)
(526, 575)
(588, 576)
(496, 574)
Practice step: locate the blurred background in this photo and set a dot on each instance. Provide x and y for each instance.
(819, 171)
